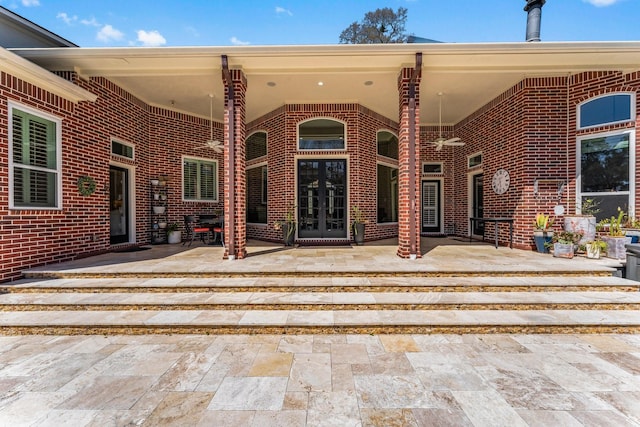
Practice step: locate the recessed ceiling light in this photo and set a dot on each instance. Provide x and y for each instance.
(320, 83)
(271, 84)
(368, 83)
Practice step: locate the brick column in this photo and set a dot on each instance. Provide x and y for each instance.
(408, 170)
(236, 175)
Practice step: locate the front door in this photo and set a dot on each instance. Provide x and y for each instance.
(431, 222)
(477, 204)
(119, 204)
(322, 195)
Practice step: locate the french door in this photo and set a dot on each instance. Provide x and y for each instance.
(322, 196)
(431, 220)
(477, 205)
(119, 204)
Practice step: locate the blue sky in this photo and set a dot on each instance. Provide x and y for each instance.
(297, 22)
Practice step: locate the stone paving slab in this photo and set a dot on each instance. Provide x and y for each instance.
(275, 380)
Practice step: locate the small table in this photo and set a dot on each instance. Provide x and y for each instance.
(496, 220)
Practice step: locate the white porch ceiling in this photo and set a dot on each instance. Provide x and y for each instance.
(469, 75)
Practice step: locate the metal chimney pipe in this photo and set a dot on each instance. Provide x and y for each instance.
(534, 15)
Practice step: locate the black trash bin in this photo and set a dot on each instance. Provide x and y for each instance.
(633, 261)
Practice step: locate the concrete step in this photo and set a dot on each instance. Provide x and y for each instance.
(321, 301)
(318, 322)
(321, 304)
(257, 283)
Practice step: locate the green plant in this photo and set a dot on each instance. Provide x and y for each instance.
(597, 244)
(590, 207)
(173, 226)
(542, 222)
(566, 237)
(357, 217)
(614, 225)
(289, 220)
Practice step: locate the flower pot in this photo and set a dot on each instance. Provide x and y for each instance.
(593, 252)
(615, 246)
(174, 237)
(288, 233)
(155, 182)
(358, 233)
(158, 210)
(581, 224)
(563, 250)
(541, 238)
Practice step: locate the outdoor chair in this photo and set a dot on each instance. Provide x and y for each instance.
(218, 232)
(193, 228)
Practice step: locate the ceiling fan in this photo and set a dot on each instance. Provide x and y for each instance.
(441, 141)
(211, 143)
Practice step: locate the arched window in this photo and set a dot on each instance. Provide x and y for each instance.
(387, 144)
(607, 109)
(321, 134)
(256, 145)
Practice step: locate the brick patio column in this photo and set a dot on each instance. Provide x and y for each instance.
(409, 164)
(235, 171)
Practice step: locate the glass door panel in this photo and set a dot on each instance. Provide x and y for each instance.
(322, 199)
(118, 204)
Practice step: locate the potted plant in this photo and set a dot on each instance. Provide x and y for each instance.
(542, 233)
(358, 225)
(564, 243)
(615, 235)
(595, 248)
(288, 226)
(585, 223)
(174, 235)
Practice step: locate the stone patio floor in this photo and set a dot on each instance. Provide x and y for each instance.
(322, 380)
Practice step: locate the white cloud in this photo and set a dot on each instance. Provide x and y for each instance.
(66, 18)
(601, 3)
(90, 22)
(282, 10)
(151, 38)
(30, 3)
(108, 33)
(234, 40)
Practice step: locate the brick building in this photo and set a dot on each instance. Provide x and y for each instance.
(311, 130)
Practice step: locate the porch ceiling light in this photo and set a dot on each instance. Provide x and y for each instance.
(320, 83)
(368, 83)
(271, 84)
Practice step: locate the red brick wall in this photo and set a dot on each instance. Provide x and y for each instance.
(31, 238)
(281, 126)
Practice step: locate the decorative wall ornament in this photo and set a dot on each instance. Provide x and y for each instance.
(86, 185)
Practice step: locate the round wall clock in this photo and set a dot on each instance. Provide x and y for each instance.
(500, 181)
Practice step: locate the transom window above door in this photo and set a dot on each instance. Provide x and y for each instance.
(321, 134)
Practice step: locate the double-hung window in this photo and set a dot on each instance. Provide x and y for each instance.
(199, 179)
(34, 159)
(606, 163)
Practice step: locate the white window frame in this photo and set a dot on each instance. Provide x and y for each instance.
(127, 144)
(217, 179)
(396, 168)
(11, 106)
(312, 150)
(471, 156)
(632, 169)
(632, 100)
(441, 164)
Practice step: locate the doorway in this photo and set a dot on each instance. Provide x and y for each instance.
(119, 205)
(431, 200)
(322, 196)
(477, 209)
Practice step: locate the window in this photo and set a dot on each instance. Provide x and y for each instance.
(475, 160)
(387, 193)
(257, 194)
(321, 134)
(256, 145)
(387, 145)
(121, 149)
(606, 109)
(432, 168)
(199, 179)
(34, 159)
(605, 171)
